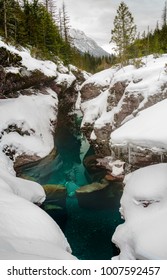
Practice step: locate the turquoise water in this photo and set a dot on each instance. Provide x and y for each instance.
(88, 230)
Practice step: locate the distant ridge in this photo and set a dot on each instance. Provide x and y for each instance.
(85, 44)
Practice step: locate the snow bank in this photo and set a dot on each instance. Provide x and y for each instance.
(144, 207)
(47, 67)
(26, 229)
(102, 78)
(65, 79)
(146, 129)
(33, 116)
(26, 127)
(94, 108)
(145, 82)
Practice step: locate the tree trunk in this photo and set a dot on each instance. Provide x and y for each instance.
(5, 20)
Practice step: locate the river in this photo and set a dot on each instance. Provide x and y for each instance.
(89, 229)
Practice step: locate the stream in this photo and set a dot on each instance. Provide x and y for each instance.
(88, 229)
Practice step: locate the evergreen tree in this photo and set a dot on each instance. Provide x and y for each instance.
(65, 24)
(164, 15)
(9, 18)
(124, 31)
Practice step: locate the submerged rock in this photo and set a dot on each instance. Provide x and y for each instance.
(97, 195)
(55, 203)
(92, 188)
(56, 194)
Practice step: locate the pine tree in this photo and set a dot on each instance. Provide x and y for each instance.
(65, 24)
(124, 31)
(164, 15)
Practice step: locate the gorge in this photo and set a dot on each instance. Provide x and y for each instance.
(38, 105)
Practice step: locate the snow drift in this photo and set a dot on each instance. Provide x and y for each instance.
(144, 208)
(26, 128)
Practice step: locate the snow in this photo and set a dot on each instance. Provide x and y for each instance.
(27, 112)
(47, 67)
(144, 200)
(32, 192)
(93, 136)
(65, 79)
(26, 231)
(144, 207)
(78, 102)
(102, 78)
(145, 81)
(94, 108)
(146, 129)
(85, 44)
(117, 167)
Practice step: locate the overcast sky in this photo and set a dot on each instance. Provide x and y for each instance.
(95, 17)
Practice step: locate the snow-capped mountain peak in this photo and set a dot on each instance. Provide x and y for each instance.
(85, 44)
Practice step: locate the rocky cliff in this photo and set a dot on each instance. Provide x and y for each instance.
(114, 97)
(31, 93)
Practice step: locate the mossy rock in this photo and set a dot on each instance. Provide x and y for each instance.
(52, 207)
(99, 196)
(56, 193)
(55, 203)
(94, 187)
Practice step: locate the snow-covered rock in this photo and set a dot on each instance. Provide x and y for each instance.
(27, 124)
(96, 84)
(143, 139)
(28, 120)
(144, 208)
(47, 67)
(122, 93)
(25, 229)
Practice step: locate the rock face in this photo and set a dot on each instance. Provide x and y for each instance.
(44, 88)
(128, 91)
(85, 44)
(96, 84)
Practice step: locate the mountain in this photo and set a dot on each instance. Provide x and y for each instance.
(85, 44)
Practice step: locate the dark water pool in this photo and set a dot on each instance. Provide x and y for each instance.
(88, 230)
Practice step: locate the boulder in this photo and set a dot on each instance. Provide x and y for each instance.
(100, 196)
(56, 194)
(55, 203)
(90, 91)
(92, 196)
(95, 171)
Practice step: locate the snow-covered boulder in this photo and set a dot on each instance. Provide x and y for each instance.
(25, 229)
(143, 140)
(27, 125)
(144, 208)
(96, 84)
(29, 92)
(129, 91)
